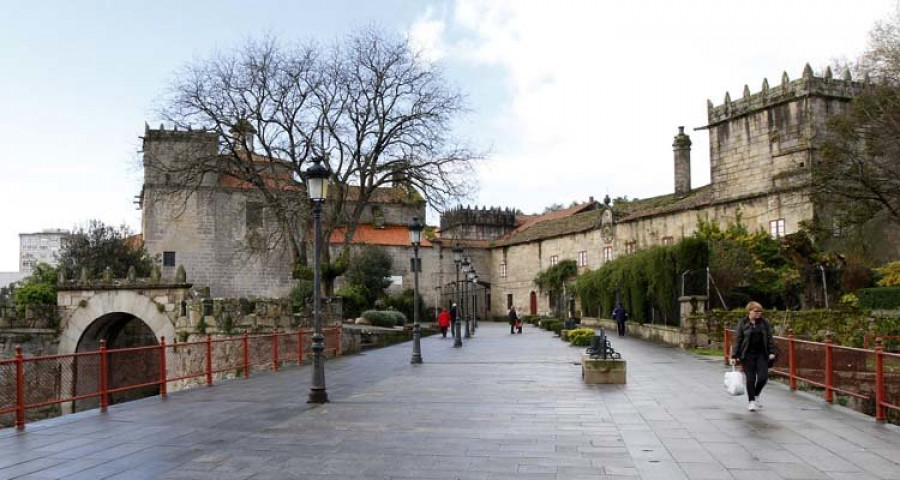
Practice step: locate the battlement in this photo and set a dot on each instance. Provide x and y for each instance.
(494, 216)
(807, 85)
(177, 135)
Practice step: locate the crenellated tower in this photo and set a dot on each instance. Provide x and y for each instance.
(767, 141)
(472, 223)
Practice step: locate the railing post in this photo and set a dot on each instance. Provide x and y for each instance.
(275, 350)
(829, 369)
(104, 387)
(20, 389)
(246, 355)
(162, 368)
(726, 348)
(879, 380)
(340, 339)
(792, 364)
(209, 380)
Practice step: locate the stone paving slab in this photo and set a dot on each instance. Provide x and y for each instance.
(502, 407)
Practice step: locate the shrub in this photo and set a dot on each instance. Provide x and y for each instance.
(581, 337)
(881, 298)
(384, 318)
(353, 300)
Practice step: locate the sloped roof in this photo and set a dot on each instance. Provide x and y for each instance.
(554, 227)
(663, 204)
(368, 234)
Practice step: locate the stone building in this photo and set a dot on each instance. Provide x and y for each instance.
(221, 231)
(763, 147)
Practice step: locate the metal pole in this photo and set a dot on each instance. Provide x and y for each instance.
(417, 332)
(457, 335)
(466, 303)
(824, 286)
(474, 306)
(317, 393)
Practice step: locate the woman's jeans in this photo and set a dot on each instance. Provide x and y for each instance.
(756, 369)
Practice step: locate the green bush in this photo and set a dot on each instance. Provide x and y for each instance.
(353, 300)
(384, 318)
(581, 337)
(879, 298)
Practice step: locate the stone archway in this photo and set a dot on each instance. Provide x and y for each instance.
(124, 318)
(105, 302)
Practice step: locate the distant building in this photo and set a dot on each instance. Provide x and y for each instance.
(40, 247)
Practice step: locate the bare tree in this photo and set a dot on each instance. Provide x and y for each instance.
(859, 172)
(376, 111)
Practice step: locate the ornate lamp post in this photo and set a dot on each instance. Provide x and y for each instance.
(415, 238)
(457, 259)
(466, 265)
(317, 189)
(474, 278)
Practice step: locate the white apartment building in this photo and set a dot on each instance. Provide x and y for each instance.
(40, 247)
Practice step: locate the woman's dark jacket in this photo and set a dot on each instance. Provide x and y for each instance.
(743, 338)
(513, 317)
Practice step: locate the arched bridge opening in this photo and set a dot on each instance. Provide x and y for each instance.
(135, 365)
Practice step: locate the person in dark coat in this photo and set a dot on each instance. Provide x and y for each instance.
(619, 314)
(453, 320)
(513, 319)
(754, 348)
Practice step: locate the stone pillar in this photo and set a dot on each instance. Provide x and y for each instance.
(682, 149)
(692, 336)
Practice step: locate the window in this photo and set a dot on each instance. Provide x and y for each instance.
(668, 240)
(254, 215)
(554, 259)
(630, 247)
(582, 259)
(837, 228)
(503, 270)
(776, 228)
(607, 254)
(168, 259)
(509, 300)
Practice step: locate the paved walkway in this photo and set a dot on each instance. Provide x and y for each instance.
(502, 407)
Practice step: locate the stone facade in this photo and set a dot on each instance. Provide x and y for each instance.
(762, 149)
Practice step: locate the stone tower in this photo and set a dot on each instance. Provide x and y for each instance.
(767, 141)
(477, 224)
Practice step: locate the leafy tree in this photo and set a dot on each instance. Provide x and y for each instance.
(96, 246)
(369, 272)
(39, 288)
(375, 110)
(554, 282)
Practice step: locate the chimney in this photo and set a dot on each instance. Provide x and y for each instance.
(242, 134)
(682, 149)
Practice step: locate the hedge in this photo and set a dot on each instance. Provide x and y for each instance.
(384, 318)
(879, 298)
(581, 337)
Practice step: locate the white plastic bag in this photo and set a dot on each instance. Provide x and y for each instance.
(734, 382)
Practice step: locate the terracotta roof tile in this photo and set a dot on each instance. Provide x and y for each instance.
(367, 234)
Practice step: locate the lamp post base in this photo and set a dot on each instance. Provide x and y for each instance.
(317, 395)
(416, 359)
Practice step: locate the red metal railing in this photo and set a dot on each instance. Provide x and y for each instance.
(856, 372)
(94, 378)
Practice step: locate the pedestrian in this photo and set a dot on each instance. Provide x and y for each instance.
(754, 348)
(444, 322)
(513, 319)
(619, 314)
(453, 320)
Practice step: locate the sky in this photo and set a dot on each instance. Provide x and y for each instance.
(569, 99)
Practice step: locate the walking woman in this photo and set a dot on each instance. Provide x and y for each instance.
(754, 348)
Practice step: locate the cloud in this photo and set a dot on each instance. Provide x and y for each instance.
(426, 35)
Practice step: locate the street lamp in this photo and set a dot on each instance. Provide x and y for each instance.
(415, 238)
(457, 259)
(317, 189)
(474, 301)
(466, 264)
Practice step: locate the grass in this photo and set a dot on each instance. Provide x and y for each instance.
(707, 351)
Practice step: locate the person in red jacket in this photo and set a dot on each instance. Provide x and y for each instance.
(444, 321)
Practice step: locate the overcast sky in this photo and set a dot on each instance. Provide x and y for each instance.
(571, 98)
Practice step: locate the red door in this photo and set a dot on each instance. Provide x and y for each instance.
(533, 303)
